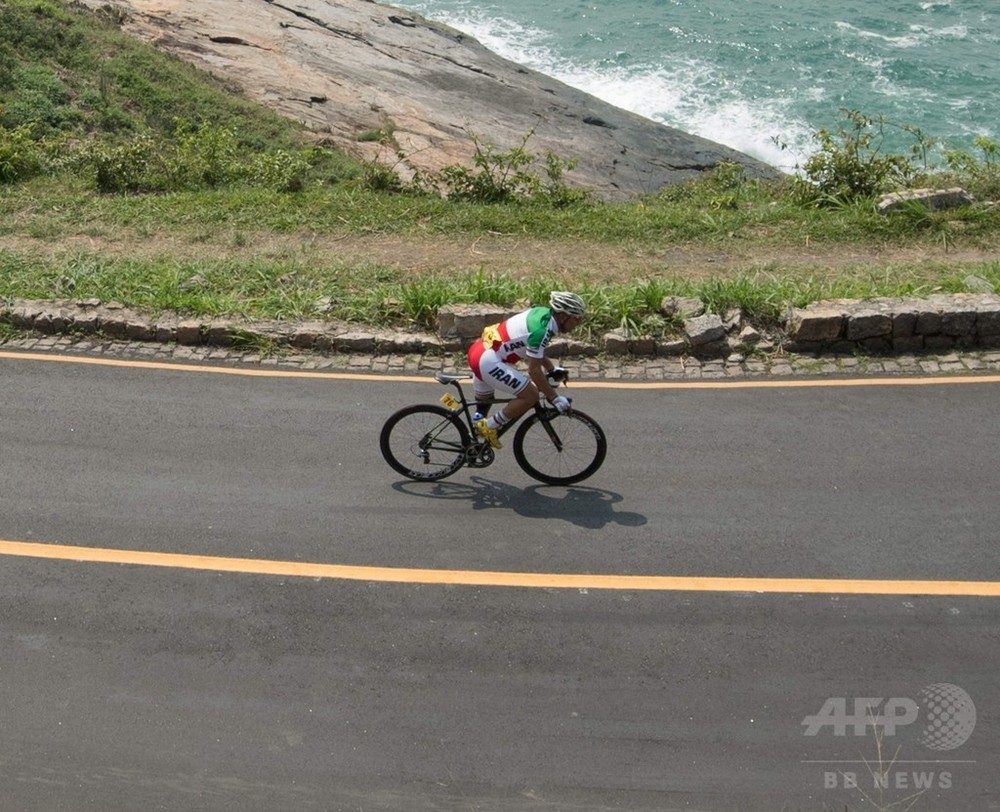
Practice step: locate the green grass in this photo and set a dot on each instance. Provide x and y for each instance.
(379, 295)
(67, 205)
(66, 70)
(71, 81)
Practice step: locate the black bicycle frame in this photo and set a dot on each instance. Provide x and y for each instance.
(545, 415)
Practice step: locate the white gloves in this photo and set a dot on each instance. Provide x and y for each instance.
(562, 404)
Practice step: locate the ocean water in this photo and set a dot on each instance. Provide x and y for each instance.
(761, 77)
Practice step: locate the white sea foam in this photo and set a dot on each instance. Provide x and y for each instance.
(693, 96)
(918, 35)
(930, 67)
(916, 38)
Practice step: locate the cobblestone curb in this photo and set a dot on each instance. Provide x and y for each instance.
(610, 368)
(935, 323)
(898, 336)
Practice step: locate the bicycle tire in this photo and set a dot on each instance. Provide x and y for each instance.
(424, 442)
(583, 447)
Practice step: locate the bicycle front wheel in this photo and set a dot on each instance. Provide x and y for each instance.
(560, 449)
(424, 442)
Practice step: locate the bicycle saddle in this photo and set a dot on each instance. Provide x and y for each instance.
(442, 377)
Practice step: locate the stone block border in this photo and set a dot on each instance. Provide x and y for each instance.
(932, 324)
(939, 322)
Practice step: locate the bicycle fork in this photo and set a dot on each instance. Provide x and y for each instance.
(545, 418)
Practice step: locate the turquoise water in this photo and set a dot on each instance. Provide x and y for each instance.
(752, 74)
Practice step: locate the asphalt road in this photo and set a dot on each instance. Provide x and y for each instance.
(148, 687)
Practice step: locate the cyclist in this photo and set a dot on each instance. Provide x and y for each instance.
(526, 334)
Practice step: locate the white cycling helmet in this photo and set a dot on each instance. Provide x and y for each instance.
(562, 301)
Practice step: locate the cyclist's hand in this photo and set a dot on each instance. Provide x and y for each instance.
(559, 374)
(562, 404)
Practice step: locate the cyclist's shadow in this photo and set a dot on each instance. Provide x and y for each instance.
(584, 506)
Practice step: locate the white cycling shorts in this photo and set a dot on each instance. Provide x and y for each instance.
(490, 374)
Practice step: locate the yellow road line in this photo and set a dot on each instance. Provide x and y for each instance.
(529, 580)
(212, 370)
(806, 383)
(576, 384)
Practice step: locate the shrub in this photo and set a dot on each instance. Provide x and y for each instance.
(500, 177)
(981, 176)
(279, 170)
(377, 176)
(554, 189)
(41, 99)
(850, 164)
(38, 30)
(133, 166)
(206, 155)
(494, 177)
(20, 155)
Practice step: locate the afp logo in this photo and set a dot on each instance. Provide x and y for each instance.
(947, 713)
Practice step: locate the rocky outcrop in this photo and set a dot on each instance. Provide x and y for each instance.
(349, 69)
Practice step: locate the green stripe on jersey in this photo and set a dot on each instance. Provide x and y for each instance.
(537, 322)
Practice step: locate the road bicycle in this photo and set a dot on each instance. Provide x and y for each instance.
(430, 441)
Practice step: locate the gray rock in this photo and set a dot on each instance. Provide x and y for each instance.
(188, 332)
(349, 69)
(306, 334)
(113, 323)
(644, 346)
(86, 322)
(166, 330)
(931, 198)
(876, 345)
(703, 330)
(404, 343)
(928, 323)
(137, 329)
(820, 322)
(467, 321)
(865, 324)
(938, 343)
(23, 314)
(732, 319)
(749, 335)
(355, 342)
(904, 322)
(988, 321)
(221, 332)
(616, 344)
(908, 343)
(196, 282)
(978, 285)
(712, 350)
(683, 306)
(53, 320)
(677, 346)
(958, 320)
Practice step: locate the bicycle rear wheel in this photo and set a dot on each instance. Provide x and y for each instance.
(560, 449)
(424, 442)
